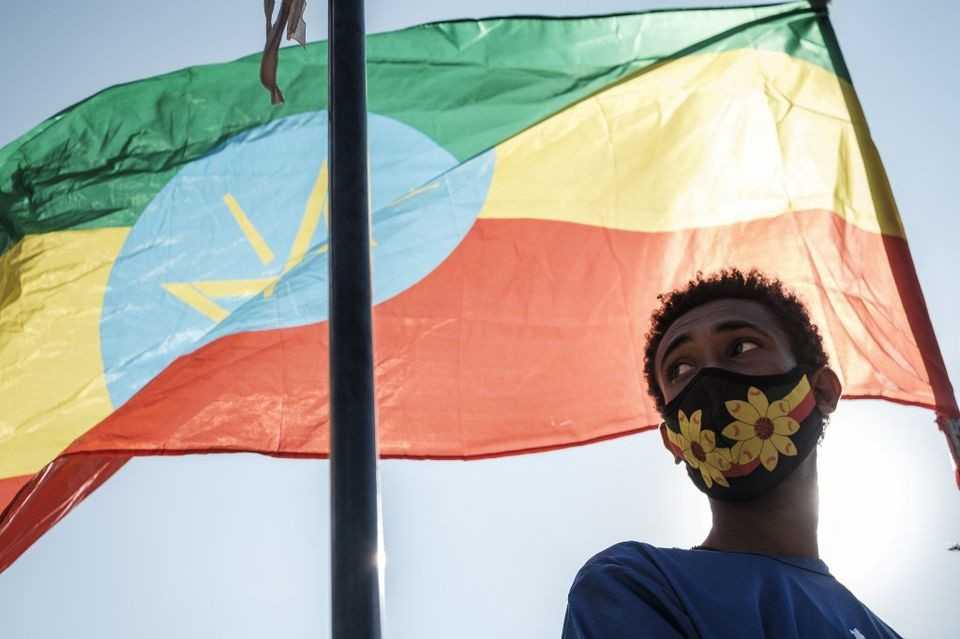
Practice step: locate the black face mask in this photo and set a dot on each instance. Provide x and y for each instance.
(741, 435)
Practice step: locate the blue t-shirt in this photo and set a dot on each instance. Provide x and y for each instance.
(636, 590)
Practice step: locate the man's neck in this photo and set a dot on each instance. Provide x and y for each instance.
(780, 522)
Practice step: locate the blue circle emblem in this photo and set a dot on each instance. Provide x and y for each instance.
(237, 240)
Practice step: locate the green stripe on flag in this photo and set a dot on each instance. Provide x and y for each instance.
(467, 84)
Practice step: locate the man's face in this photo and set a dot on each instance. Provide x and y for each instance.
(737, 335)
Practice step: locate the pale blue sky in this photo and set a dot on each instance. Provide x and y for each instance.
(237, 545)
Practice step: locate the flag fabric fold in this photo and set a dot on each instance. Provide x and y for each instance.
(536, 182)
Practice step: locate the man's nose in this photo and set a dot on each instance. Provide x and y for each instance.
(711, 359)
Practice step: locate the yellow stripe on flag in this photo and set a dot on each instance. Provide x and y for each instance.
(704, 140)
(51, 293)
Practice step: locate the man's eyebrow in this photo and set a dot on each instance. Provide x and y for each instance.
(674, 344)
(722, 327)
(736, 325)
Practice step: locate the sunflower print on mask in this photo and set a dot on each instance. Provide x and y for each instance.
(761, 429)
(700, 449)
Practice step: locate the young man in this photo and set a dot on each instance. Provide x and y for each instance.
(739, 374)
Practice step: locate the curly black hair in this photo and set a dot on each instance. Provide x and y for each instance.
(805, 340)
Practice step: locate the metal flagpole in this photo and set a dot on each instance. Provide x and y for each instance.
(355, 579)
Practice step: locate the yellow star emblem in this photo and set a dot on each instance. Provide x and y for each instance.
(202, 295)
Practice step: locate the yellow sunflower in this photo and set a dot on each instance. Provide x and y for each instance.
(761, 429)
(700, 449)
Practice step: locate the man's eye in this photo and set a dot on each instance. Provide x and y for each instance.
(743, 346)
(678, 369)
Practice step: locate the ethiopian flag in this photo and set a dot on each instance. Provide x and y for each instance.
(536, 183)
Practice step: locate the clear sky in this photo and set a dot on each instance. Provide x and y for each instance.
(238, 545)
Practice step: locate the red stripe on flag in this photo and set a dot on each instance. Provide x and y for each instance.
(48, 497)
(529, 337)
(9, 487)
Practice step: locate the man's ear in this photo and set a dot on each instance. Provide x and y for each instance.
(826, 389)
